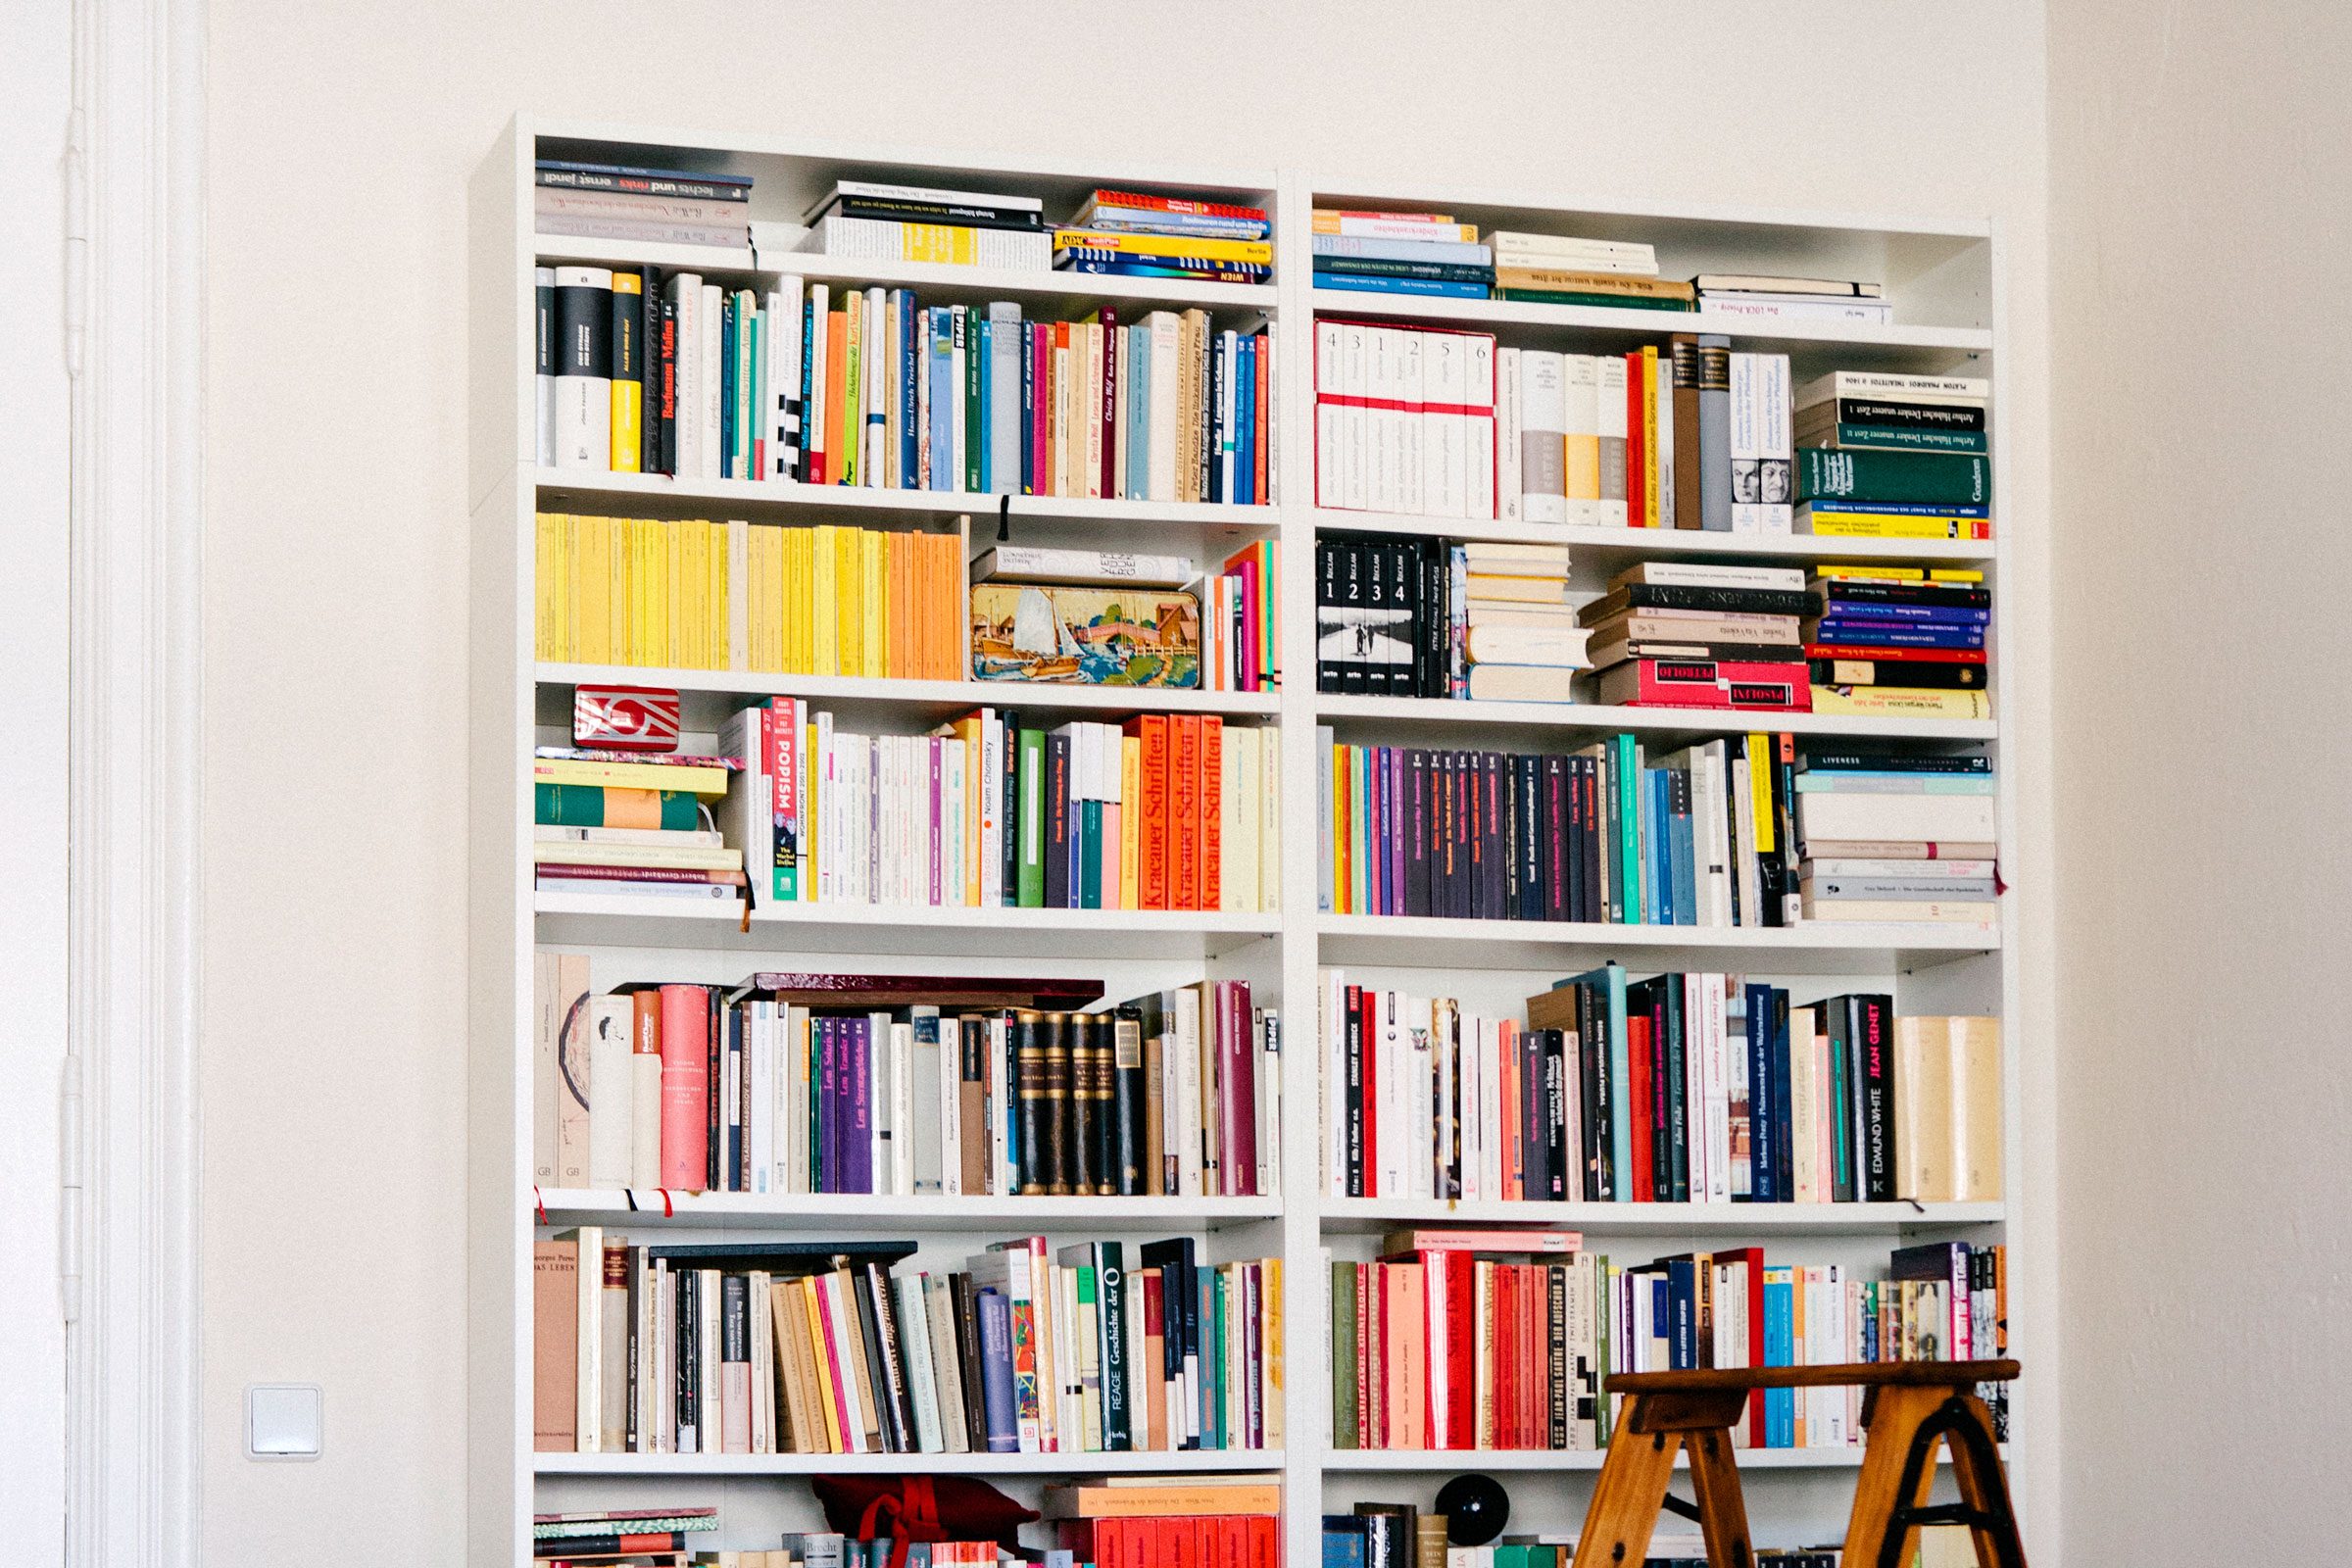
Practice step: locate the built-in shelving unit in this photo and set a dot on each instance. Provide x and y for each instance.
(1939, 278)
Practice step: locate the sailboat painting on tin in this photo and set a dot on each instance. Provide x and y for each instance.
(1087, 636)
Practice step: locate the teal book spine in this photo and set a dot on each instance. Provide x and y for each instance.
(975, 436)
(1089, 866)
(1826, 474)
(1032, 825)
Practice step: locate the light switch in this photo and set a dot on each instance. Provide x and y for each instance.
(284, 1420)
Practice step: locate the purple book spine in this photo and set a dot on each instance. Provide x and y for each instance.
(828, 1120)
(1241, 1066)
(1394, 825)
(859, 1136)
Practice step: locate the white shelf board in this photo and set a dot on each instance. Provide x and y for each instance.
(1069, 291)
(945, 696)
(655, 921)
(577, 1207)
(776, 497)
(1644, 720)
(1820, 948)
(1793, 337)
(1635, 544)
(650, 1465)
(1374, 1215)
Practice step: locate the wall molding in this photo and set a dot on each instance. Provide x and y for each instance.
(134, 342)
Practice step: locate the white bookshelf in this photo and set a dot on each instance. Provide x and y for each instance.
(1939, 278)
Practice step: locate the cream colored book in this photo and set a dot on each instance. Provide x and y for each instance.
(1923, 1110)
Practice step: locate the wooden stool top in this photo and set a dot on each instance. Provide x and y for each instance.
(1866, 1374)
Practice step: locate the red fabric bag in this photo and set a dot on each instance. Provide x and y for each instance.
(918, 1507)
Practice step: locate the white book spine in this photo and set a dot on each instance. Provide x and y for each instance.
(1747, 446)
(1506, 435)
(1580, 380)
(1166, 334)
(1615, 440)
(1382, 349)
(946, 1364)
(1444, 386)
(1332, 1029)
(758, 1120)
(589, 1412)
(992, 804)
(1543, 406)
(713, 388)
(1189, 1079)
(1330, 416)
(1777, 471)
(878, 381)
(1355, 381)
(1478, 428)
(611, 1085)
(914, 1340)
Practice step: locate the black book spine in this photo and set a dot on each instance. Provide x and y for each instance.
(1461, 799)
(1351, 1064)
(1029, 1094)
(1107, 1103)
(690, 1354)
(899, 1407)
(1129, 1097)
(1008, 864)
(662, 354)
(1598, 1134)
(1404, 593)
(1327, 598)
(1495, 831)
(1057, 821)
(967, 1346)
(1555, 1356)
(951, 215)
(1783, 1154)
(1897, 762)
(1934, 674)
(878, 1395)
(1551, 837)
(1532, 819)
(1378, 674)
(1057, 1158)
(1078, 1045)
(1535, 1179)
(1219, 388)
(1558, 1175)
(1110, 1299)
(1348, 598)
(649, 369)
(1876, 1056)
(1678, 1107)
(1722, 601)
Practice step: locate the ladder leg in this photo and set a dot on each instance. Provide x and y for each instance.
(1896, 1416)
(1984, 1488)
(1627, 1496)
(1721, 1510)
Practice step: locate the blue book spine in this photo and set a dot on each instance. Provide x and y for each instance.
(809, 327)
(1762, 1144)
(1428, 287)
(857, 1137)
(1654, 907)
(1247, 477)
(1780, 1350)
(1138, 427)
(1682, 1305)
(981, 382)
(1931, 614)
(995, 1373)
(1343, 1547)
(945, 401)
(726, 382)
(911, 435)
(1685, 855)
(1783, 1154)
(1028, 411)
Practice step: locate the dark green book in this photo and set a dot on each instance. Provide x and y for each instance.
(1030, 826)
(1089, 866)
(975, 380)
(1111, 1316)
(1903, 438)
(1948, 478)
(1624, 302)
(583, 805)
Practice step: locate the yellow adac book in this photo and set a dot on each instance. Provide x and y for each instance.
(798, 606)
(849, 582)
(1255, 252)
(824, 600)
(592, 587)
(628, 396)
(1131, 821)
(690, 589)
(874, 585)
(547, 640)
(727, 540)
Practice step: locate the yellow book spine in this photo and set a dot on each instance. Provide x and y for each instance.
(543, 569)
(851, 424)
(824, 602)
(1651, 478)
(690, 568)
(1906, 702)
(628, 395)
(849, 582)
(662, 594)
(619, 583)
(827, 1393)
(812, 765)
(771, 576)
(1131, 821)
(592, 587)
(1885, 526)
(641, 589)
(938, 242)
(723, 651)
(874, 585)
(968, 731)
(1270, 1352)
(1760, 763)
(1254, 252)
(799, 610)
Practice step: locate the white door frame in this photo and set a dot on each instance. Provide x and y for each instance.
(135, 304)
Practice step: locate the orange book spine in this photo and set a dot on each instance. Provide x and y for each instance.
(837, 373)
(948, 631)
(1152, 730)
(1212, 805)
(898, 657)
(1183, 812)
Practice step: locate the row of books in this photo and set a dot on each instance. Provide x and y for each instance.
(1384, 1535)
(818, 1347)
(1165, 812)
(1484, 1341)
(644, 205)
(691, 594)
(1422, 618)
(1906, 638)
(653, 1536)
(1678, 1087)
(1926, 825)
(608, 822)
(796, 1083)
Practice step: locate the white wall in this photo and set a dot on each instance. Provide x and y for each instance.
(339, 139)
(2201, 208)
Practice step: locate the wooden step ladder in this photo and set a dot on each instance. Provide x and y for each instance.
(1908, 1409)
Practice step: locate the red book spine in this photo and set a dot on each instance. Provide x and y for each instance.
(1636, 495)
(1178, 204)
(1107, 403)
(1179, 1543)
(1211, 883)
(1461, 1352)
(1041, 410)
(1151, 729)
(1637, 1057)
(685, 1086)
(1265, 1544)
(1183, 812)
(1722, 683)
(1375, 1007)
(1896, 655)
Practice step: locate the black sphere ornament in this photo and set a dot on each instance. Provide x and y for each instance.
(1476, 1508)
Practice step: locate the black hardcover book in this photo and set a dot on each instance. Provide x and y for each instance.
(1874, 1051)
(1530, 1070)
(1920, 673)
(1078, 1049)
(1111, 1297)
(1219, 390)
(1555, 1356)
(1057, 1159)
(1599, 1135)
(879, 1398)
(1351, 629)
(1895, 412)
(1784, 1152)
(893, 1358)
(1129, 1097)
(1327, 674)
(1551, 837)
(1404, 588)
(1057, 821)
(1107, 1095)
(1495, 826)
(1722, 601)
(1351, 1067)
(1380, 677)
(966, 1315)
(1464, 830)
(648, 304)
(1556, 1090)
(1678, 1106)
(1028, 1089)
(1389, 1533)
(661, 354)
(690, 1360)
(1414, 830)
(908, 210)
(1533, 821)
(543, 319)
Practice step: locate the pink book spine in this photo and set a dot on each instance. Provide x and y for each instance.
(853, 1438)
(685, 1087)
(1240, 1081)
(780, 731)
(1112, 826)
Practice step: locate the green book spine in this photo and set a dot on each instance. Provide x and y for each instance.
(1925, 477)
(1629, 828)
(1217, 1379)
(1620, 302)
(583, 805)
(1893, 438)
(747, 421)
(1032, 832)
(1343, 1354)
(1605, 1302)
(1090, 878)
